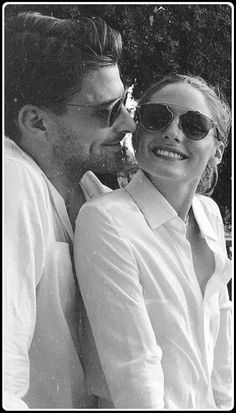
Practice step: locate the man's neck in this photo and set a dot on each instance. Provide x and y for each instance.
(70, 190)
(72, 194)
(74, 201)
(68, 186)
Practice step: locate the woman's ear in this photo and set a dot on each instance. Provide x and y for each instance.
(218, 154)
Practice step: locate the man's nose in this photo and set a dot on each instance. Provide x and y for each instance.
(125, 121)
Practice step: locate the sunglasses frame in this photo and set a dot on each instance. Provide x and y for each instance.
(107, 109)
(213, 123)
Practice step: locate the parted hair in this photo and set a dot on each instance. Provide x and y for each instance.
(221, 114)
(47, 60)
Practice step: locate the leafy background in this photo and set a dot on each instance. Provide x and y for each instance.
(160, 38)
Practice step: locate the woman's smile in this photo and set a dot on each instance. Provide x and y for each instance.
(170, 154)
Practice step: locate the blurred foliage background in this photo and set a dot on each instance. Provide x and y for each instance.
(162, 38)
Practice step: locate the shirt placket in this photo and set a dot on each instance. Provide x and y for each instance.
(183, 249)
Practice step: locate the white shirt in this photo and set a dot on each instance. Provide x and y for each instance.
(42, 366)
(161, 344)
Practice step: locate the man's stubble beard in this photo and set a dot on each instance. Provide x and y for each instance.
(74, 166)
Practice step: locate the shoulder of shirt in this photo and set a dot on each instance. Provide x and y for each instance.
(24, 174)
(209, 205)
(116, 207)
(16, 155)
(113, 201)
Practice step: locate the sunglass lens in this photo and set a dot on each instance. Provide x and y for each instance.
(195, 125)
(125, 98)
(155, 117)
(115, 112)
(117, 108)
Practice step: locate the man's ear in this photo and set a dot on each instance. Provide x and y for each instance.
(31, 121)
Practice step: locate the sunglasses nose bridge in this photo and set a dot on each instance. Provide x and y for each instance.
(171, 119)
(180, 126)
(173, 129)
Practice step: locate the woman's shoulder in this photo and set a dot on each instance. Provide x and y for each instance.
(117, 198)
(116, 207)
(210, 206)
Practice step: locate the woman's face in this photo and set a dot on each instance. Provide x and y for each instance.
(169, 153)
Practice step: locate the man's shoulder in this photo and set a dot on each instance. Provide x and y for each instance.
(22, 176)
(18, 162)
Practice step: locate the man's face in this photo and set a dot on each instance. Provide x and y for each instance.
(81, 138)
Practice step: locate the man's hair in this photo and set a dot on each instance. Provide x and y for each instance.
(48, 59)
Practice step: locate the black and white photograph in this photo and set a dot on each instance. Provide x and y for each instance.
(117, 206)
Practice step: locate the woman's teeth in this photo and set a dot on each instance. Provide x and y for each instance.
(169, 154)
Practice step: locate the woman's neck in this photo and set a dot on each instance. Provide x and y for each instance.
(178, 194)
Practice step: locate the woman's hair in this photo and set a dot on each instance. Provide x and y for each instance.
(48, 59)
(220, 111)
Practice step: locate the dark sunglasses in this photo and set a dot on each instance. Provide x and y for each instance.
(109, 113)
(155, 117)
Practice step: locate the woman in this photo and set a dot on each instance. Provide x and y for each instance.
(151, 259)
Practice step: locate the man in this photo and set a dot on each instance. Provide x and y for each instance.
(64, 115)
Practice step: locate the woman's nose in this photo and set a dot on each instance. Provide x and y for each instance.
(173, 131)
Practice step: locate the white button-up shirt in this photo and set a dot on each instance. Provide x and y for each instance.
(42, 308)
(161, 344)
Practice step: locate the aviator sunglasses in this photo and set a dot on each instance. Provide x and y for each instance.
(155, 117)
(108, 113)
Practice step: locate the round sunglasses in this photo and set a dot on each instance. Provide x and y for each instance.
(107, 113)
(155, 117)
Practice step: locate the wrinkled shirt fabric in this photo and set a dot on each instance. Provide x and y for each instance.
(42, 305)
(160, 342)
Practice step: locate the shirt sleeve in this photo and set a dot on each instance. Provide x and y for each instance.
(222, 369)
(23, 266)
(108, 275)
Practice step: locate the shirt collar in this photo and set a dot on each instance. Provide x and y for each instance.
(204, 224)
(157, 209)
(92, 186)
(56, 199)
(151, 202)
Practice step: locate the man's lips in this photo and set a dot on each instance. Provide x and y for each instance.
(169, 153)
(116, 142)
